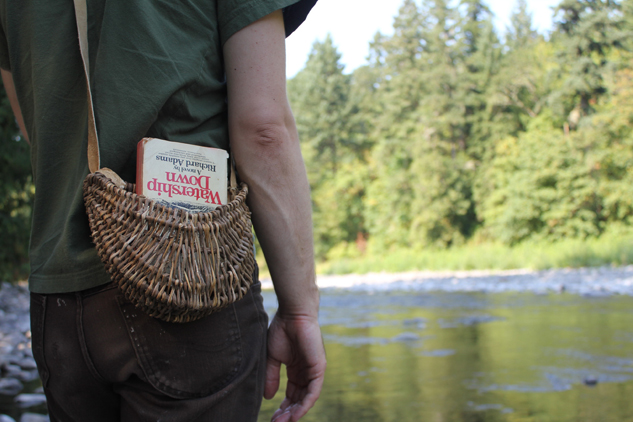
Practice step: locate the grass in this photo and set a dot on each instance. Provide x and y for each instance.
(606, 250)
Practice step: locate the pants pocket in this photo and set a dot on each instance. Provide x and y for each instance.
(38, 313)
(185, 360)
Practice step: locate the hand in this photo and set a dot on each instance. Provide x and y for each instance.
(296, 342)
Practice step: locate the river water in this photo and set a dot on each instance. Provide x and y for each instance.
(417, 355)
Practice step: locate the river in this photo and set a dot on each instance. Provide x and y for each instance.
(554, 346)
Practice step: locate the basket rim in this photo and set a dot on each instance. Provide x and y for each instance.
(129, 192)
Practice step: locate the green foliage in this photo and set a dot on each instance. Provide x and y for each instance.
(16, 197)
(332, 145)
(520, 32)
(615, 247)
(540, 192)
(449, 135)
(589, 31)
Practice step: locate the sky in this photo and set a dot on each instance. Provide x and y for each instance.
(353, 23)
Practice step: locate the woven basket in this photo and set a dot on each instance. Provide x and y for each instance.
(174, 265)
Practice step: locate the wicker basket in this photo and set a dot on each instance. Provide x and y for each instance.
(174, 265)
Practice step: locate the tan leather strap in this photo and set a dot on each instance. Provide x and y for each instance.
(81, 15)
(233, 182)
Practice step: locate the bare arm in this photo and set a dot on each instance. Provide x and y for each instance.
(266, 148)
(9, 87)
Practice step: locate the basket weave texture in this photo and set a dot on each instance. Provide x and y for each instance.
(174, 265)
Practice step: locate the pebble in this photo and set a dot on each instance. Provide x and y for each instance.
(27, 376)
(16, 363)
(590, 282)
(10, 387)
(406, 337)
(27, 363)
(30, 400)
(34, 417)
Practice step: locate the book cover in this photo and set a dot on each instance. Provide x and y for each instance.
(190, 177)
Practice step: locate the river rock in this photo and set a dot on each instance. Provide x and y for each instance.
(27, 363)
(34, 417)
(9, 369)
(28, 376)
(30, 400)
(406, 337)
(10, 386)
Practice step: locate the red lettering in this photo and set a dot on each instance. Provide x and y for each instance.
(206, 179)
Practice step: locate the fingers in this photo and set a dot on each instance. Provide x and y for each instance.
(297, 344)
(310, 396)
(283, 413)
(298, 401)
(272, 378)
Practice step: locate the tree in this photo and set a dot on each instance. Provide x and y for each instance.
(520, 32)
(590, 30)
(434, 73)
(319, 95)
(400, 86)
(542, 187)
(328, 129)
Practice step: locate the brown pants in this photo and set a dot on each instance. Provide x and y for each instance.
(103, 360)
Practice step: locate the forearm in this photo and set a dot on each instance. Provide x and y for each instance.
(269, 161)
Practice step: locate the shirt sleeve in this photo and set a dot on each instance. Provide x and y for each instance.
(234, 15)
(296, 13)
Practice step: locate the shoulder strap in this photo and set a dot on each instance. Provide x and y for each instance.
(81, 15)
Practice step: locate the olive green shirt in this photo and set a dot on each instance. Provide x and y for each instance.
(156, 70)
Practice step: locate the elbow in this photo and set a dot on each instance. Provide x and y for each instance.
(265, 139)
(263, 146)
(269, 137)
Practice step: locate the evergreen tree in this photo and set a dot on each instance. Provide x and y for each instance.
(328, 131)
(435, 96)
(395, 62)
(520, 33)
(589, 29)
(319, 93)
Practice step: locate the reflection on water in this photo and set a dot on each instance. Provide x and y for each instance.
(473, 357)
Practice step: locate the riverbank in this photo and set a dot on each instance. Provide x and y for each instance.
(602, 280)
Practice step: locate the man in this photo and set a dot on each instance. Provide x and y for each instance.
(157, 69)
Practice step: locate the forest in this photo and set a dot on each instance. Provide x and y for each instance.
(454, 136)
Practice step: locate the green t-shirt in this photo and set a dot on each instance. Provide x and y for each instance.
(156, 70)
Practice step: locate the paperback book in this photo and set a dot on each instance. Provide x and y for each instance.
(185, 176)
